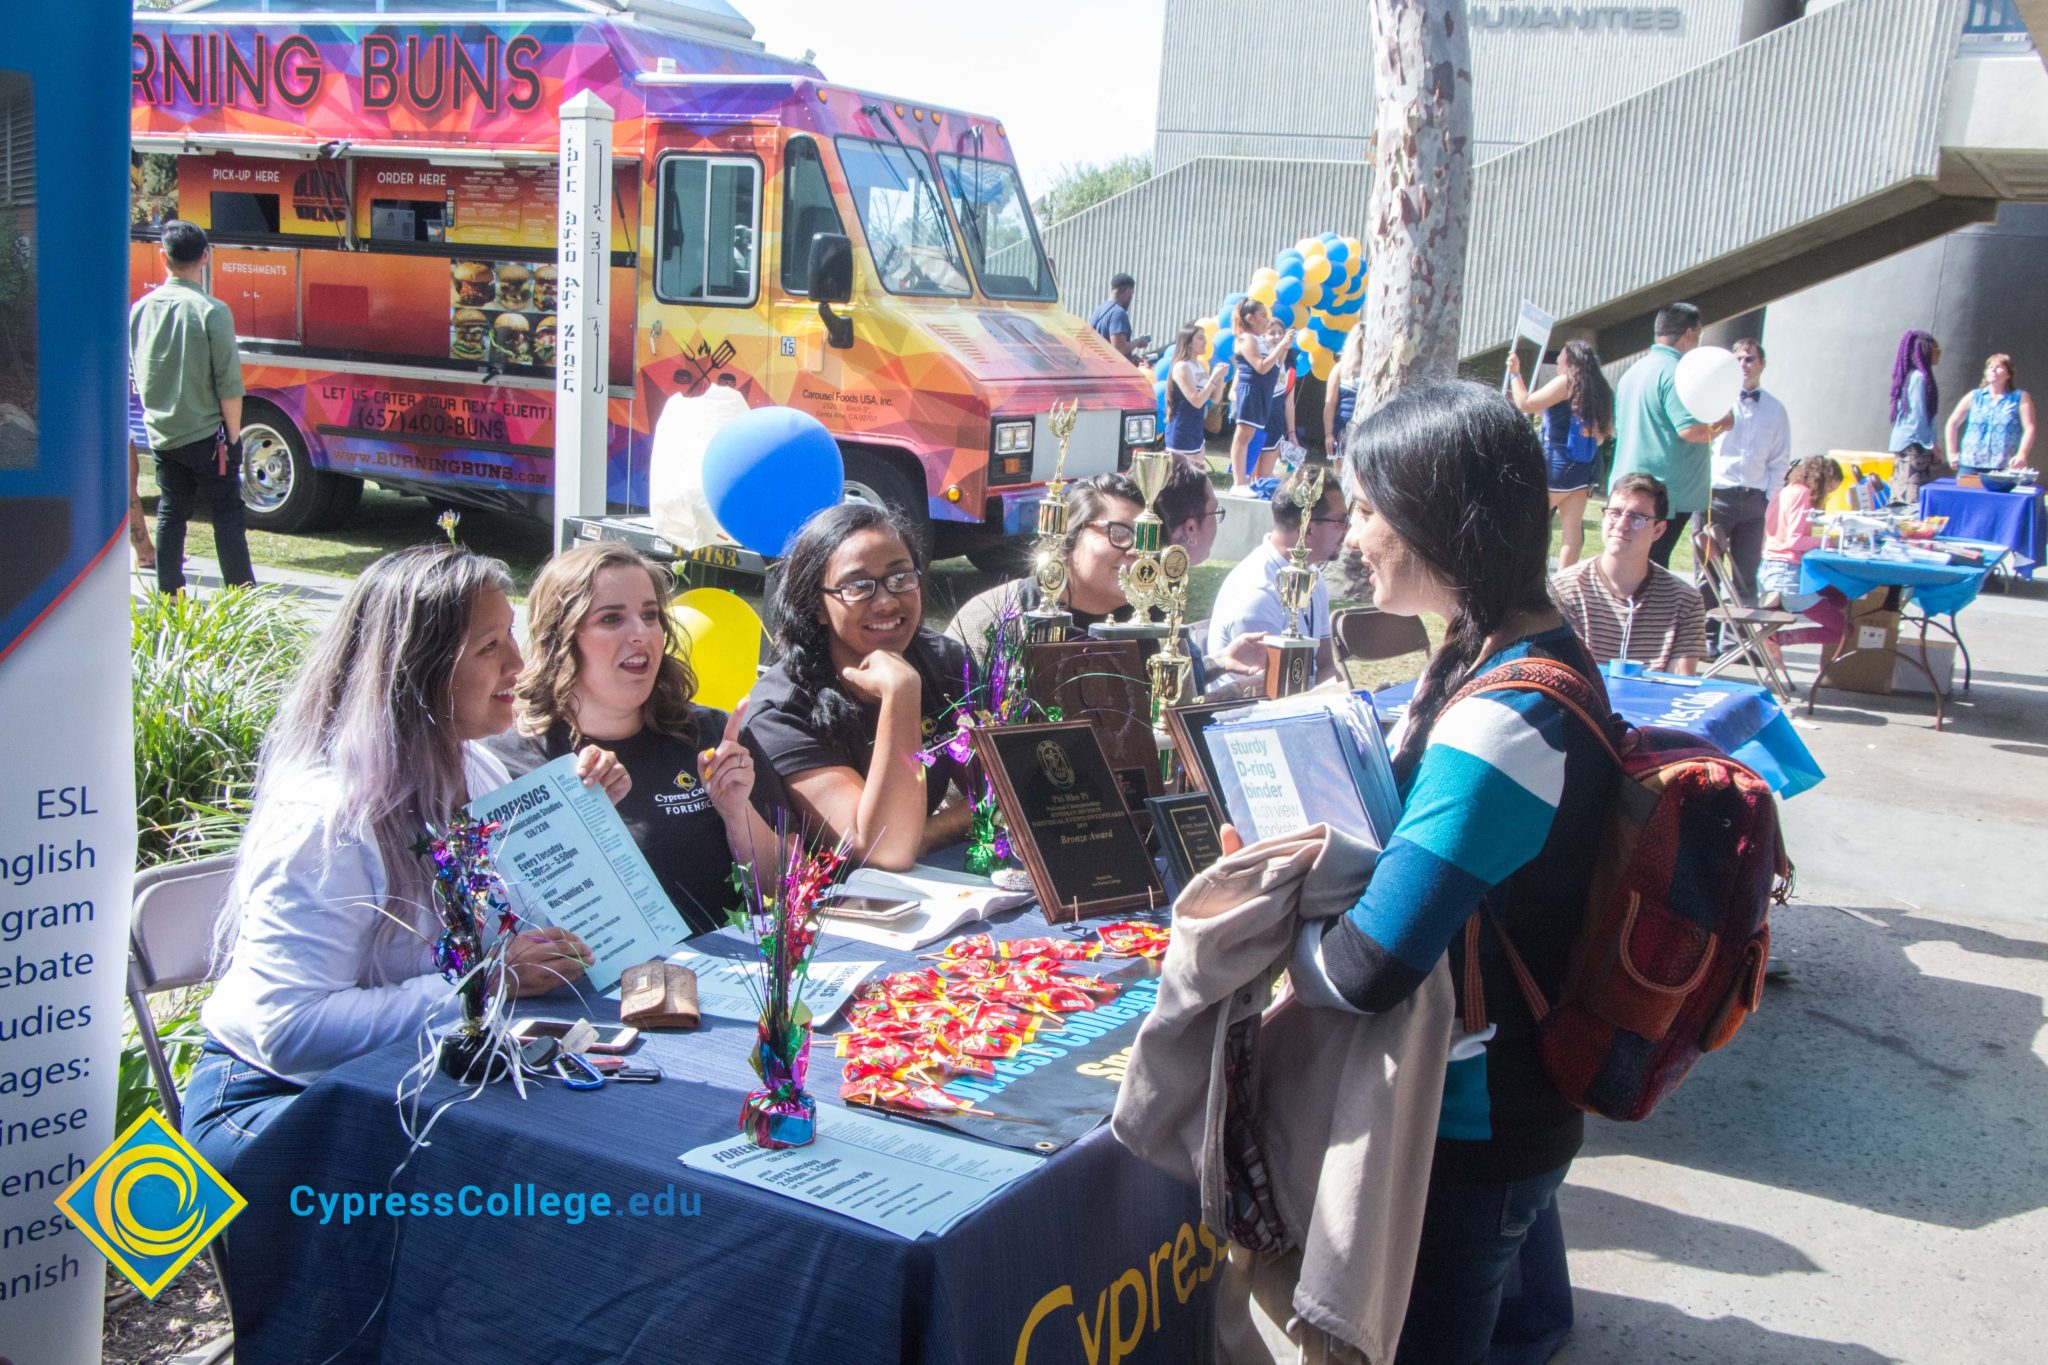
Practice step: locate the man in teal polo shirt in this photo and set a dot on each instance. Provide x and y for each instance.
(181, 342)
(1655, 435)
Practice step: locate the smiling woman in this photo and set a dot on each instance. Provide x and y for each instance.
(861, 689)
(608, 677)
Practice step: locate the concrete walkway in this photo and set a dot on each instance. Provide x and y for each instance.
(1861, 1176)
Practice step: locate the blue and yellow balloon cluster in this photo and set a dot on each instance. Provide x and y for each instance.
(1316, 287)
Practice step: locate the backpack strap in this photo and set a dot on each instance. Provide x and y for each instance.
(1583, 699)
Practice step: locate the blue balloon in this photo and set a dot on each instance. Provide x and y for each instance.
(1282, 314)
(769, 471)
(1226, 349)
(1290, 263)
(1159, 392)
(1302, 364)
(1338, 253)
(1165, 365)
(1287, 293)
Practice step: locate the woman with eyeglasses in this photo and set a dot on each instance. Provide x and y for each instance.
(606, 665)
(1578, 414)
(1102, 513)
(861, 689)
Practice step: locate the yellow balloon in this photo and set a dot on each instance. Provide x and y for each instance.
(721, 643)
(1321, 363)
(1209, 325)
(1265, 275)
(1351, 245)
(1263, 292)
(1310, 246)
(1315, 270)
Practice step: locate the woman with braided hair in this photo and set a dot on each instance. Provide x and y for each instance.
(1915, 398)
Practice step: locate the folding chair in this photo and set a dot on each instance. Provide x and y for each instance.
(170, 947)
(1750, 627)
(1366, 633)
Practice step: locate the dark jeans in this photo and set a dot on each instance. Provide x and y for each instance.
(1475, 1239)
(185, 474)
(1660, 552)
(228, 1102)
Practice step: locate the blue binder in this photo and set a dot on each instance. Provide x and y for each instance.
(1300, 761)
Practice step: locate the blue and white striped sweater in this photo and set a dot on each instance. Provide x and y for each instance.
(1480, 805)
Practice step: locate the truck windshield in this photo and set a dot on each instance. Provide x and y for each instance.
(906, 226)
(1000, 238)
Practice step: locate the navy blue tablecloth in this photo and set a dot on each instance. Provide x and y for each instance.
(2012, 519)
(1092, 1251)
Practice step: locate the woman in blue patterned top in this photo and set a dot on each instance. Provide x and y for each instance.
(2000, 434)
(1503, 796)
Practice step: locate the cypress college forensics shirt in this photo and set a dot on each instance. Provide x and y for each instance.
(668, 812)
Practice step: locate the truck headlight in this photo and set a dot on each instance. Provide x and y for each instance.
(1140, 428)
(1013, 438)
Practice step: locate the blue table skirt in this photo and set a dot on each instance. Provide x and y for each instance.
(1937, 589)
(1743, 721)
(1074, 1250)
(2013, 520)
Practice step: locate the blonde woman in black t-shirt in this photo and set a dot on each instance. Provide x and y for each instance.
(606, 666)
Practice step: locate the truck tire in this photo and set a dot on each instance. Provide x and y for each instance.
(280, 488)
(347, 496)
(873, 477)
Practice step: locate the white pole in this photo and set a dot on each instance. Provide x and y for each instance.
(583, 297)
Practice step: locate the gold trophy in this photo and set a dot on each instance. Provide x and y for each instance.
(1291, 659)
(1050, 621)
(1157, 577)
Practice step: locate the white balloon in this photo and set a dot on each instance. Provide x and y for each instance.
(1708, 379)
(677, 507)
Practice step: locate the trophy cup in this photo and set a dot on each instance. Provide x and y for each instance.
(1157, 577)
(1291, 659)
(1050, 621)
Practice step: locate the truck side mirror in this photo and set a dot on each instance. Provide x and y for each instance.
(831, 281)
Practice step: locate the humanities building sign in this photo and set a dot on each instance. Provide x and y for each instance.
(1578, 18)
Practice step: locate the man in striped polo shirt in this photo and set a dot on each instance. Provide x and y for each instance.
(1623, 605)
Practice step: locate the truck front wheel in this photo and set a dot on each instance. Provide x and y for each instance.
(875, 478)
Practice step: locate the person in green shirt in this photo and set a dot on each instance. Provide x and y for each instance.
(181, 342)
(1655, 435)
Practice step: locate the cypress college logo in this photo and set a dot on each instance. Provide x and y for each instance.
(151, 1203)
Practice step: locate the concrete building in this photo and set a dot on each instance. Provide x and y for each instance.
(1860, 166)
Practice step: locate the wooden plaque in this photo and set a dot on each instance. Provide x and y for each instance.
(1190, 829)
(1068, 821)
(1185, 724)
(1103, 682)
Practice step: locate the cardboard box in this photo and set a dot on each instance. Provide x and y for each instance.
(1941, 662)
(1872, 628)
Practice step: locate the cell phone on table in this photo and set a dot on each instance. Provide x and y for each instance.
(866, 908)
(611, 1038)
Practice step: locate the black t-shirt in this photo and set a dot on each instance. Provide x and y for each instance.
(779, 732)
(668, 811)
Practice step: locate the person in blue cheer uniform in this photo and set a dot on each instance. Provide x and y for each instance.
(1578, 414)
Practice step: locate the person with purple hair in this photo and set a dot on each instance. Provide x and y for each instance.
(1915, 398)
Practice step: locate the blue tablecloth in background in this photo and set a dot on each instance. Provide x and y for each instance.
(2012, 519)
(1937, 589)
(1074, 1248)
(1743, 721)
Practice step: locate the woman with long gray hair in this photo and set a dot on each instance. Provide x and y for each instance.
(330, 932)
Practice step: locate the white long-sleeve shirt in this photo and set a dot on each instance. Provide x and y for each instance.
(1757, 451)
(310, 985)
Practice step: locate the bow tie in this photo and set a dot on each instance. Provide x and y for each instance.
(1750, 395)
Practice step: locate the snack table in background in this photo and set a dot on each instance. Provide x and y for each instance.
(2013, 520)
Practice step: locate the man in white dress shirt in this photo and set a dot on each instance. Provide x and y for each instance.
(1751, 460)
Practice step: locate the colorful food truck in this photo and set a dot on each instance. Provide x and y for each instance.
(378, 178)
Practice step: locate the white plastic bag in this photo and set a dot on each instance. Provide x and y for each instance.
(677, 507)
